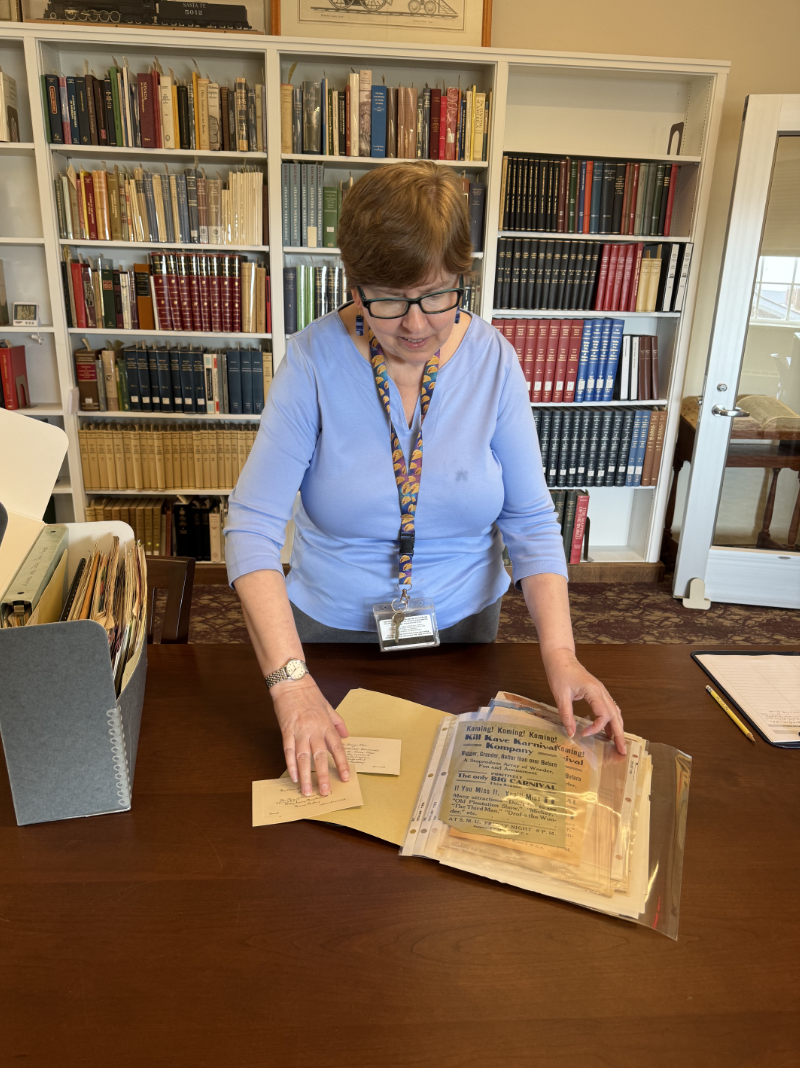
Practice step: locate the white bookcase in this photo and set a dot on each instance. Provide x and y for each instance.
(548, 103)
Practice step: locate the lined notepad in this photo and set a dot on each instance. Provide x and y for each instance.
(766, 687)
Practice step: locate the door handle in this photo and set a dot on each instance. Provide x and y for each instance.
(730, 413)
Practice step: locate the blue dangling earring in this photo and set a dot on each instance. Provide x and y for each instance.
(458, 313)
(360, 325)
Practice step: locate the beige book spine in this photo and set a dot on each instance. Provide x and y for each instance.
(94, 463)
(168, 138)
(214, 125)
(136, 460)
(114, 216)
(166, 446)
(158, 449)
(101, 205)
(644, 284)
(261, 300)
(109, 360)
(152, 470)
(212, 459)
(127, 447)
(241, 452)
(266, 358)
(86, 471)
(205, 459)
(190, 475)
(197, 448)
(182, 460)
(202, 88)
(102, 482)
(161, 218)
(286, 118)
(652, 288)
(215, 537)
(119, 459)
(226, 457)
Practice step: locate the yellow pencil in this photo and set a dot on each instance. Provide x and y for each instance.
(733, 715)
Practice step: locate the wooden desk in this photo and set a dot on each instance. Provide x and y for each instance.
(177, 936)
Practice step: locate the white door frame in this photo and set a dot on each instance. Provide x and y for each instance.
(735, 575)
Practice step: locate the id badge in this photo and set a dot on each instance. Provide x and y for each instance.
(406, 626)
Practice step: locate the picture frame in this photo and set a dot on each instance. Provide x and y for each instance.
(454, 22)
(25, 314)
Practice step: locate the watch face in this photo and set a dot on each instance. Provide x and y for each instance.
(296, 669)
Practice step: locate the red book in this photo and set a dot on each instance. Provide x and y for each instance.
(225, 293)
(613, 257)
(578, 531)
(619, 276)
(80, 300)
(347, 120)
(204, 285)
(436, 111)
(654, 389)
(91, 218)
(602, 278)
(235, 275)
(147, 115)
(531, 327)
(158, 261)
(563, 190)
(673, 181)
(561, 361)
(519, 341)
(553, 332)
(214, 293)
(497, 323)
(193, 271)
(184, 291)
(173, 292)
(443, 126)
(637, 266)
(632, 199)
(626, 198)
(587, 196)
(453, 107)
(269, 307)
(573, 358)
(537, 390)
(15, 378)
(627, 276)
(507, 329)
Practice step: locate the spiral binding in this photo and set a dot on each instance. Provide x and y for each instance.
(120, 755)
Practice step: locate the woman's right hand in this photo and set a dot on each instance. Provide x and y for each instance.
(311, 729)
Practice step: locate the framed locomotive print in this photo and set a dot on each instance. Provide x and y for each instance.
(454, 22)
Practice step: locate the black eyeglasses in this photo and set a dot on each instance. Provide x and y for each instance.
(396, 307)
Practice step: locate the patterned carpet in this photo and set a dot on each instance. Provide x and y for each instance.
(602, 614)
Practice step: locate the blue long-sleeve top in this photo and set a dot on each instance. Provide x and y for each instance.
(324, 431)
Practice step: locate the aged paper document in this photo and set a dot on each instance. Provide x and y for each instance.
(374, 756)
(280, 800)
(766, 686)
(388, 799)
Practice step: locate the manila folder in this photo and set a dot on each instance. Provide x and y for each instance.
(388, 800)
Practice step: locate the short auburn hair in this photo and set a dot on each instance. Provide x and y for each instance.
(402, 224)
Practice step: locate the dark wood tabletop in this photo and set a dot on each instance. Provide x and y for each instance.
(178, 935)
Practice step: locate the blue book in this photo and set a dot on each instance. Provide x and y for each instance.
(378, 136)
(164, 379)
(257, 363)
(175, 378)
(597, 186)
(246, 379)
(581, 196)
(594, 357)
(187, 379)
(633, 452)
(152, 367)
(199, 379)
(602, 361)
(614, 349)
(143, 369)
(583, 362)
(72, 104)
(234, 382)
(641, 447)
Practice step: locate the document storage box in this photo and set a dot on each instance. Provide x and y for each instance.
(70, 743)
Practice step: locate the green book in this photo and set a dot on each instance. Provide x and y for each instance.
(112, 75)
(330, 217)
(573, 196)
(302, 297)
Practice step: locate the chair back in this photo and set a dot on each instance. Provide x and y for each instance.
(175, 574)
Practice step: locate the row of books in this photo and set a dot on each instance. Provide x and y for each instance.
(600, 446)
(102, 205)
(14, 390)
(572, 511)
(558, 275)
(187, 291)
(310, 209)
(583, 361)
(161, 379)
(155, 110)
(578, 196)
(168, 528)
(142, 457)
(384, 122)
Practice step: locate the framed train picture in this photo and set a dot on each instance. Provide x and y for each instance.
(453, 22)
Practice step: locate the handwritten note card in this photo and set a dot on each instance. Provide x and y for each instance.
(374, 756)
(280, 800)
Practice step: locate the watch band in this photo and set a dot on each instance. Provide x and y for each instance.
(282, 674)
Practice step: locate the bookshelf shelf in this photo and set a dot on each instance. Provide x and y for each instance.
(163, 334)
(179, 245)
(63, 487)
(348, 162)
(607, 239)
(186, 417)
(141, 155)
(617, 108)
(583, 405)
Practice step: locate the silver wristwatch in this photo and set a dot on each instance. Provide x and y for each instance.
(292, 669)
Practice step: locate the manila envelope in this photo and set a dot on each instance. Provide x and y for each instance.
(388, 799)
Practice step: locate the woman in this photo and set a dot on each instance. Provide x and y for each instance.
(406, 425)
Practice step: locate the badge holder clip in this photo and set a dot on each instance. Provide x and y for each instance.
(406, 623)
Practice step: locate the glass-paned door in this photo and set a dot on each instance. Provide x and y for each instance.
(740, 528)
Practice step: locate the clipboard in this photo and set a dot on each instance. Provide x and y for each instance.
(725, 693)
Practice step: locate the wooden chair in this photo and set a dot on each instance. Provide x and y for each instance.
(175, 574)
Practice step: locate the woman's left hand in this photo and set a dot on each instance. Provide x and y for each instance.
(570, 681)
